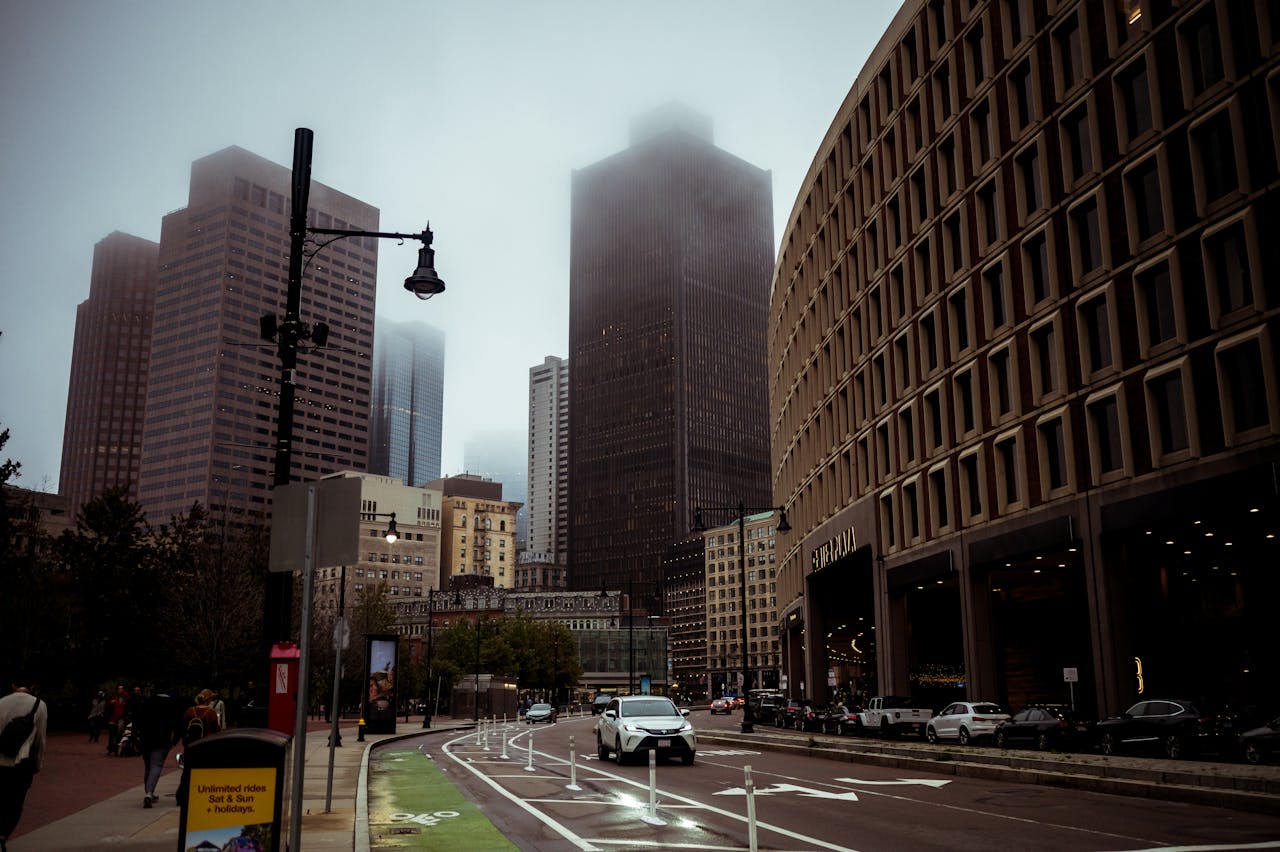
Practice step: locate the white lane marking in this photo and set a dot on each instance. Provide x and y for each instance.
(924, 782)
(1215, 847)
(666, 794)
(654, 844)
(789, 788)
(945, 806)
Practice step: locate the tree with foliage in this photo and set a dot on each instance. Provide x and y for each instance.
(540, 655)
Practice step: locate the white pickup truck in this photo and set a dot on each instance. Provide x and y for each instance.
(891, 715)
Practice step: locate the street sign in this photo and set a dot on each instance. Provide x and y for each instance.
(1071, 675)
(337, 524)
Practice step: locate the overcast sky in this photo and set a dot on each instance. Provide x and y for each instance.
(470, 114)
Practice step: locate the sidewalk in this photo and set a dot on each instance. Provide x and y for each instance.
(83, 800)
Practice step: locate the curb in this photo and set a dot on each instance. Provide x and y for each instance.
(1240, 793)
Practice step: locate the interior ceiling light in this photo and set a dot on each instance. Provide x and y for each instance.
(1255, 510)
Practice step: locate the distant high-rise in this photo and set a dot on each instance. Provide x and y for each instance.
(408, 401)
(671, 258)
(548, 499)
(499, 455)
(106, 397)
(213, 390)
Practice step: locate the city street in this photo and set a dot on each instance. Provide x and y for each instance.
(801, 802)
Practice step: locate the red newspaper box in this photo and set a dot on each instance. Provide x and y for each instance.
(282, 690)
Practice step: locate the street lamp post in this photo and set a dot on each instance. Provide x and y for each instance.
(289, 331)
(431, 623)
(748, 713)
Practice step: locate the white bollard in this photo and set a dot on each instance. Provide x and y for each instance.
(528, 767)
(651, 812)
(486, 736)
(749, 786)
(504, 744)
(479, 729)
(504, 720)
(573, 767)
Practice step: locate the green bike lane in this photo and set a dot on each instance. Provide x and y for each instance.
(413, 804)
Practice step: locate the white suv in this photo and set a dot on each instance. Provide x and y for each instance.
(635, 724)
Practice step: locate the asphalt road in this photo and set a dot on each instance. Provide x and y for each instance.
(800, 802)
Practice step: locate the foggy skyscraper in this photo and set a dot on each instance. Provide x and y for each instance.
(213, 390)
(408, 401)
(548, 502)
(671, 259)
(102, 440)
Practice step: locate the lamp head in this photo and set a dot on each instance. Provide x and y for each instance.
(424, 282)
(698, 525)
(783, 526)
(392, 533)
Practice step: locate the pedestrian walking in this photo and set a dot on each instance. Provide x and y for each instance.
(97, 715)
(198, 722)
(116, 708)
(29, 718)
(156, 729)
(220, 708)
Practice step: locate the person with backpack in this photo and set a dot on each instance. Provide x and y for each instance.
(156, 719)
(24, 720)
(199, 721)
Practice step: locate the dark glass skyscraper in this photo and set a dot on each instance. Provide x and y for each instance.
(672, 254)
(408, 401)
(106, 400)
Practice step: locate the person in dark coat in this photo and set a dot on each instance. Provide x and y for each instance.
(16, 772)
(156, 720)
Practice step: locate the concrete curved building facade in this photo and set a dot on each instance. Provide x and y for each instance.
(1024, 389)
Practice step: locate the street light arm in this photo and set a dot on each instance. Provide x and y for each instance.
(425, 236)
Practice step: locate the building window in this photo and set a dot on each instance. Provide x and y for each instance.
(1008, 470)
(888, 526)
(1133, 97)
(1069, 53)
(1095, 334)
(976, 47)
(911, 510)
(960, 319)
(934, 424)
(983, 134)
(971, 485)
(1201, 52)
(939, 497)
(1159, 305)
(1229, 269)
(1249, 390)
(989, 218)
(1216, 161)
(995, 291)
(1086, 236)
(1022, 96)
(1030, 181)
(907, 435)
(1018, 21)
(1077, 143)
(1003, 384)
(1106, 434)
(1144, 200)
(948, 174)
(1167, 412)
(965, 388)
(1045, 358)
(929, 342)
(1052, 437)
(1038, 269)
(953, 243)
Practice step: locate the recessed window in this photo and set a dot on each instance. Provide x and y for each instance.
(902, 364)
(983, 134)
(1201, 51)
(1018, 20)
(929, 342)
(1086, 236)
(1022, 96)
(953, 243)
(1229, 268)
(1106, 434)
(1145, 200)
(911, 510)
(971, 483)
(995, 291)
(988, 213)
(1037, 268)
(939, 499)
(960, 319)
(907, 435)
(1030, 181)
(942, 91)
(976, 46)
(1051, 435)
(1069, 51)
(1133, 95)
(884, 450)
(1158, 303)
(920, 207)
(947, 173)
(1008, 470)
(1095, 334)
(1045, 359)
(934, 423)
(1077, 136)
(1215, 167)
(1003, 384)
(888, 526)
(1167, 411)
(966, 393)
(1248, 394)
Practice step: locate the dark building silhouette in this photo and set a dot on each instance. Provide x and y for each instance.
(1023, 361)
(213, 389)
(408, 401)
(106, 396)
(670, 263)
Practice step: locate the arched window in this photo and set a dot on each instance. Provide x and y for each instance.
(463, 522)
(502, 526)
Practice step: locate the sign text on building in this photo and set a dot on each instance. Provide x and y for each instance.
(837, 548)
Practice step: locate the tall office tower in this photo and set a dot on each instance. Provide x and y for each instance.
(213, 391)
(670, 264)
(548, 500)
(101, 442)
(499, 455)
(408, 401)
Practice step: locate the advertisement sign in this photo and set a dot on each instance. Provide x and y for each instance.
(380, 694)
(231, 792)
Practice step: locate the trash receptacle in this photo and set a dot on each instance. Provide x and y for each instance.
(232, 789)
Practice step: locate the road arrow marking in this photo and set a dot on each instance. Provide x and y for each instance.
(924, 782)
(790, 788)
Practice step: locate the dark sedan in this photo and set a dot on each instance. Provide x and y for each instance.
(1261, 744)
(1174, 727)
(809, 718)
(785, 715)
(1045, 727)
(540, 713)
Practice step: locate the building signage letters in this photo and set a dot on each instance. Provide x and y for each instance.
(837, 548)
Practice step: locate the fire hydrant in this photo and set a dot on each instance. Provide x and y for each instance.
(360, 730)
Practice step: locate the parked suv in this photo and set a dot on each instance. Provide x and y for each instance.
(1175, 727)
(766, 708)
(633, 725)
(599, 703)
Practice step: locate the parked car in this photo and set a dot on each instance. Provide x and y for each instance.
(965, 721)
(1175, 727)
(785, 715)
(891, 715)
(840, 720)
(599, 703)
(808, 718)
(1262, 743)
(633, 725)
(766, 708)
(540, 713)
(721, 705)
(1045, 726)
